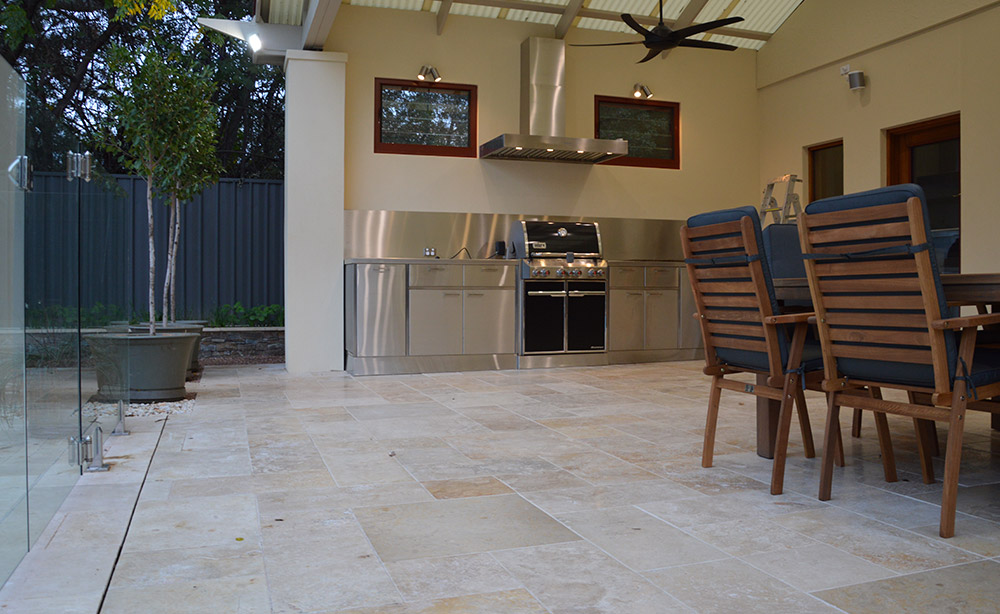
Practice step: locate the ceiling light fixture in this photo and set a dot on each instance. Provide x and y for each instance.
(255, 43)
(641, 91)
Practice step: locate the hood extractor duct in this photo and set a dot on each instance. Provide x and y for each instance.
(543, 114)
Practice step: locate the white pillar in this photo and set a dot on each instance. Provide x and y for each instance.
(314, 211)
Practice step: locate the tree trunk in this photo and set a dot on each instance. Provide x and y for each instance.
(152, 255)
(168, 277)
(173, 268)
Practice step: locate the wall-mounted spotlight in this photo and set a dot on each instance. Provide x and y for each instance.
(641, 91)
(856, 79)
(255, 43)
(429, 73)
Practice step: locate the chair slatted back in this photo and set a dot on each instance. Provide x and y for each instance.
(878, 291)
(731, 287)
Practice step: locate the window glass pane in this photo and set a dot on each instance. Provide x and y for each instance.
(649, 130)
(827, 172)
(425, 116)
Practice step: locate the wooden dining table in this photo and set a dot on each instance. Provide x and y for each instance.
(978, 289)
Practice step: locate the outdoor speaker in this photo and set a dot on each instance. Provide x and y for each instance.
(856, 79)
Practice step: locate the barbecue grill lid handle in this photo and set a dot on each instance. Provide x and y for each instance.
(569, 257)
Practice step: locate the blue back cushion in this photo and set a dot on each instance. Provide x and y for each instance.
(901, 373)
(730, 356)
(783, 251)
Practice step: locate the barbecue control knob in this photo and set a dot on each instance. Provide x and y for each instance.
(560, 273)
(576, 272)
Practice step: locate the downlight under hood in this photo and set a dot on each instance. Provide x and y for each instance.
(543, 114)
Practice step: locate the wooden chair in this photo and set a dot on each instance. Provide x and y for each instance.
(742, 327)
(879, 303)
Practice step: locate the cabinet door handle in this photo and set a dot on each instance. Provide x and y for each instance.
(656, 294)
(475, 294)
(435, 268)
(453, 294)
(489, 269)
(633, 294)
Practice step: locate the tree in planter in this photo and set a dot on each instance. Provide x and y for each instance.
(196, 168)
(160, 125)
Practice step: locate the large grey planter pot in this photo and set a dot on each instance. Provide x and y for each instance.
(177, 327)
(142, 368)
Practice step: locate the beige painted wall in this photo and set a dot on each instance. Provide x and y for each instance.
(719, 137)
(951, 68)
(822, 32)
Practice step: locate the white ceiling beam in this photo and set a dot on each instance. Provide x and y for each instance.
(572, 9)
(275, 39)
(442, 15)
(318, 20)
(555, 9)
(685, 19)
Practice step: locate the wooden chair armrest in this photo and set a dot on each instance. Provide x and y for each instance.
(983, 319)
(789, 318)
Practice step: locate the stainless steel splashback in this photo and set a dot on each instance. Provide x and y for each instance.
(405, 234)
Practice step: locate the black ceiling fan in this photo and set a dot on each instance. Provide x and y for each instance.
(661, 38)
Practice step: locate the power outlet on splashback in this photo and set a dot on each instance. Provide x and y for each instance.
(430, 252)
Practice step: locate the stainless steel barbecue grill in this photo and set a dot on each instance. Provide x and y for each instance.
(562, 287)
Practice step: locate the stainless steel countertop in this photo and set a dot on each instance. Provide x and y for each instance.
(480, 261)
(645, 263)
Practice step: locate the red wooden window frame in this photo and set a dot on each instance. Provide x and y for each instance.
(471, 151)
(629, 160)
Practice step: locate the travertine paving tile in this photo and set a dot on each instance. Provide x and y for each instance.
(141, 568)
(508, 602)
(577, 577)
(470, 487)
(748, 536)
(452, 576)
(194, 522)
(458, 526)
(639, 540)
(566, 500)
(245, 594)
(731, 586)
(879, 543)
(741, 505)
(816, 567)
(970, 589)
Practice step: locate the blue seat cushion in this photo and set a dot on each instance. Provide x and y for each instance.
(985, 370)
(812, 358)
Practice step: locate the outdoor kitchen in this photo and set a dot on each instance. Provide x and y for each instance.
(505, 292)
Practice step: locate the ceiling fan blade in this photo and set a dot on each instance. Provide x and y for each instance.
(708, 25)
(652, 54)
(632, 23)
(706, 45)
(604, 44)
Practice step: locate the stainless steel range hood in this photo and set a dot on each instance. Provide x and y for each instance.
(543, 114)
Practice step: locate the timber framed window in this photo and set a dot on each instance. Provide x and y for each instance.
(651, 127)
(431, 119)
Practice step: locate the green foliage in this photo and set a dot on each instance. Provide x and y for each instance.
(62, 49)
(48, 317)
(160, 120)
(237, 315)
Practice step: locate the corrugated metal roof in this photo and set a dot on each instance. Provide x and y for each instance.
(764, 16)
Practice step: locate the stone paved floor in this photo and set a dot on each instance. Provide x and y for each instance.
(564, 490)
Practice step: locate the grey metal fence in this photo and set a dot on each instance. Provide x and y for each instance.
(232, 245)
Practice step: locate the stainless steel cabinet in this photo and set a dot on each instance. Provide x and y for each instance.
(661, 319)
(496, 275)
(630, 276)
(435, 322)
(435, 275)
(488, 323)
(376, 309)
(625, 312)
